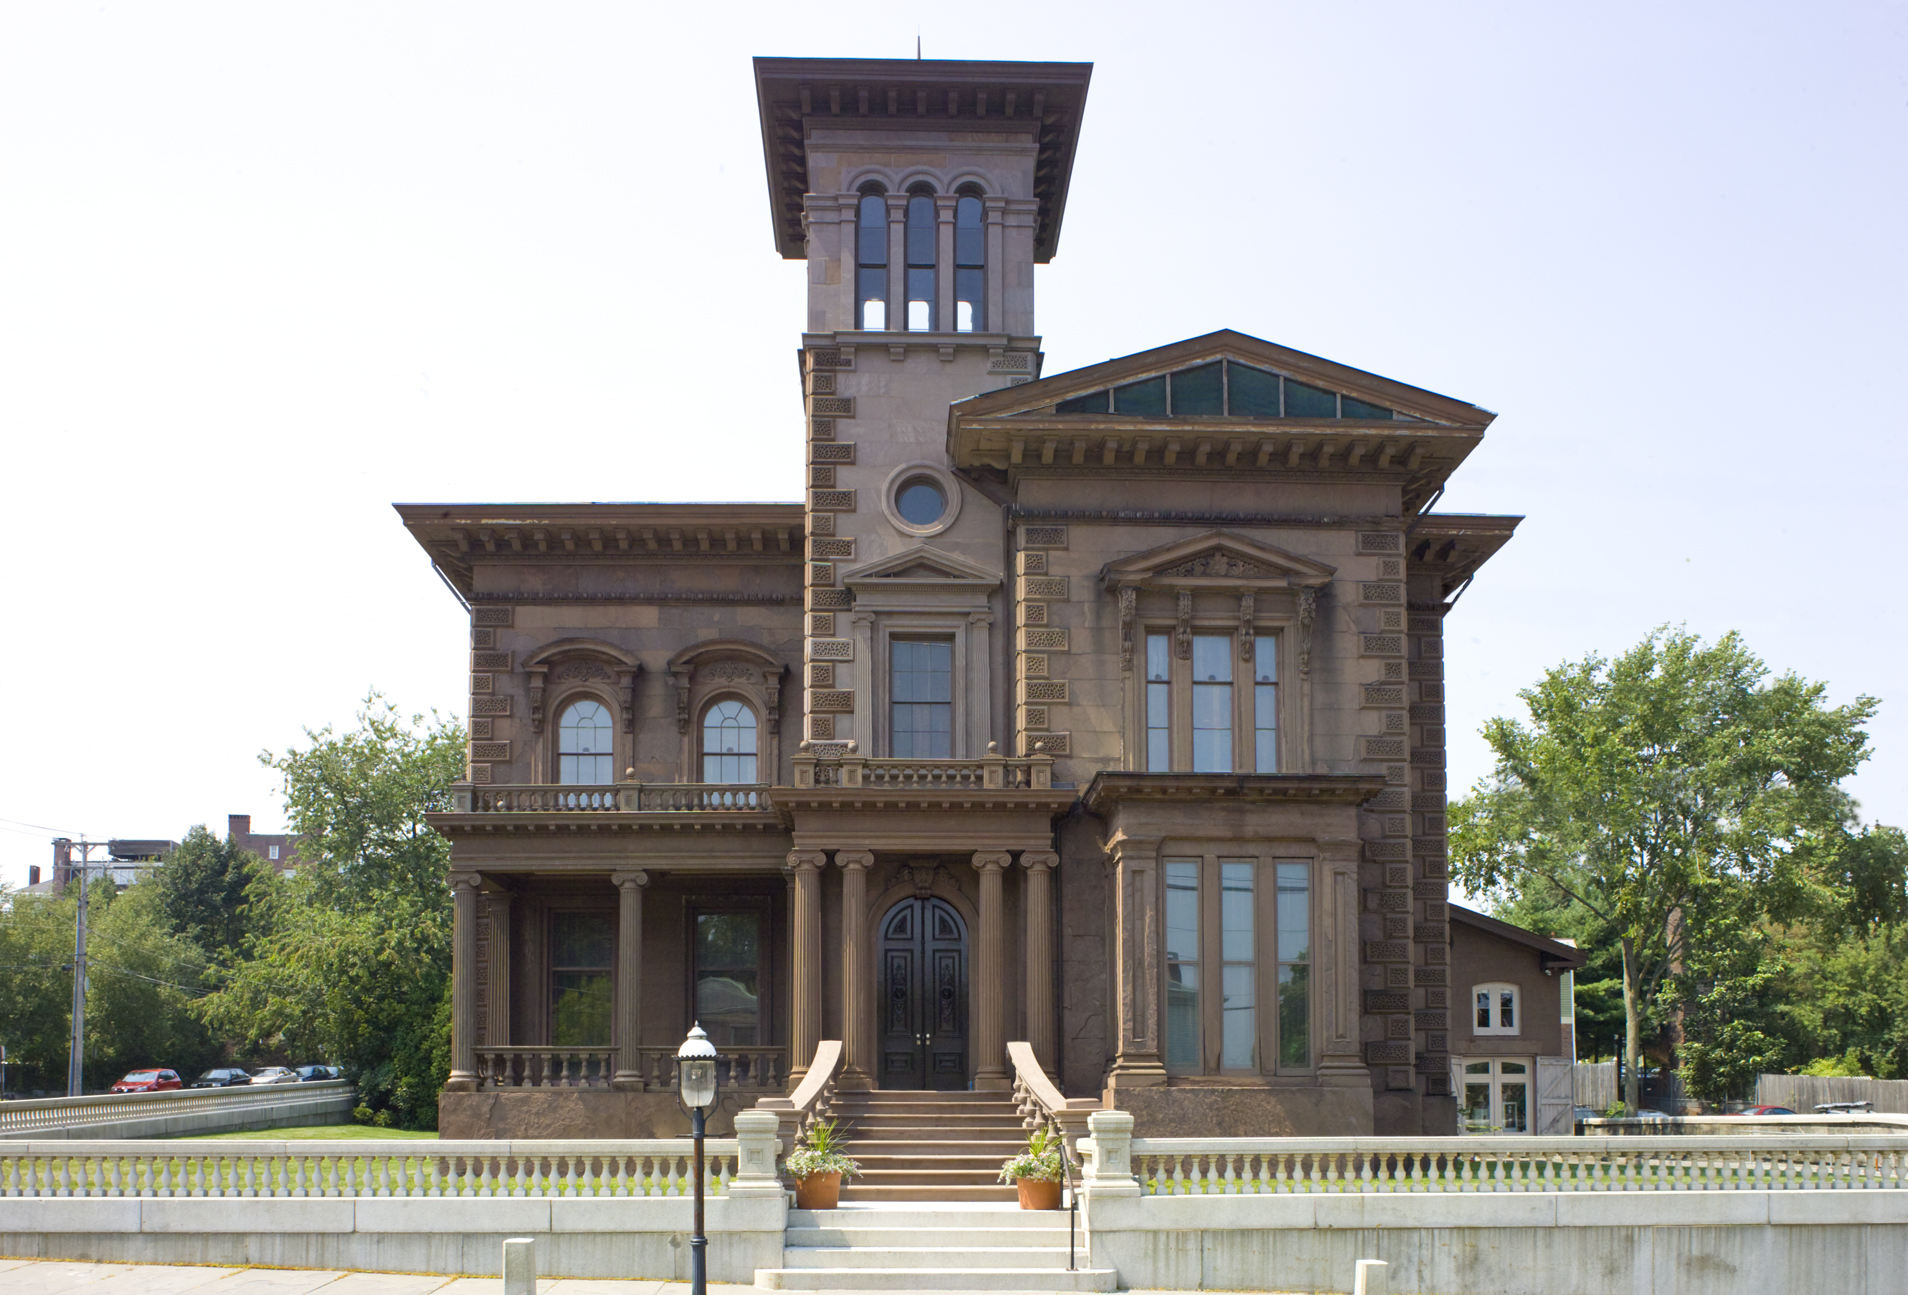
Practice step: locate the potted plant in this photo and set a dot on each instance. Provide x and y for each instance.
(818, 1164)
(1037, 1172)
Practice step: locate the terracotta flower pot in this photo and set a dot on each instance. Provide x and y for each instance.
(818, 1192)
(1038, 1193)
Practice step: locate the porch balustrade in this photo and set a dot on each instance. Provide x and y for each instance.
(743, 1069)
(826, 768)
(617, 798)
(514, 1067)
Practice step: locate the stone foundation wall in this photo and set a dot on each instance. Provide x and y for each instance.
(531, 1113)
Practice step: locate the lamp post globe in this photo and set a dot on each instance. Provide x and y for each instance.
(696, 1085)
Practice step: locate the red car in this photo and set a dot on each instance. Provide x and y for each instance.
(1768, 1110)
(148, 1081)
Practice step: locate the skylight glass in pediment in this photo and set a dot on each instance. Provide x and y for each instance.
(1224, 388)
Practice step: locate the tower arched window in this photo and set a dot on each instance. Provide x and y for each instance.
(585, 745)
(920, 259)
(970, 264)
(728, 743)
(871, 261)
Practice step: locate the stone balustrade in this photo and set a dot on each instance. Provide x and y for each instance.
(526, 1067)
(615, 798)
(823, 766)
(181, 1111)
(737, 1068)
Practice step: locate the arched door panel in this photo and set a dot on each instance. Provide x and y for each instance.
(923, 996)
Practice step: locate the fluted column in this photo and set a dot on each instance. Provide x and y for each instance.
(463, 1074)
(497, 1026)
(628, 1034)
(805, 989)
(1040, 865)
(858, 1062)
(989, 999)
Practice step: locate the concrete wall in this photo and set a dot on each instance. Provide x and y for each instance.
(184, 1113)
(575, 1238)
(1689, 1243)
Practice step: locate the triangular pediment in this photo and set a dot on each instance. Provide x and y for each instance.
(1272, 381)
(1217, 558)
(921, 565)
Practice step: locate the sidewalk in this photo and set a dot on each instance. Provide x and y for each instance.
(61, 1276)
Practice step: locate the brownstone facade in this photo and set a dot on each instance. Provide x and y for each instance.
(1102, 709)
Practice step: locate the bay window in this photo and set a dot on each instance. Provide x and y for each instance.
(1219, 912)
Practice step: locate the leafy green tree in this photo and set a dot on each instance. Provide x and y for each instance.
(1645, 787)
(353, 963)
(206, 892)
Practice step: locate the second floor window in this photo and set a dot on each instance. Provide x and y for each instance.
(871, 263)
(1265, 705)
(922, 699)
(920, 252)
(1208, 712)
(585, 745)
(1212, 703)
(1159, 704)
(1494, 1009)
(970, 266)
(728, 743)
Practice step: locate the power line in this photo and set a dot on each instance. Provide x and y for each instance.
(42, 827)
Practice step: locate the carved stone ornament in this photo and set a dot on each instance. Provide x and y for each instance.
(1182, 631)
(536, 699)
(1129, 605)
(1245, 625)
(583, 672)
(1218, 563)
(731, 672)
(684, 676)
(1308, 611)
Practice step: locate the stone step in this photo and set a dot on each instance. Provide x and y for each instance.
(863, 1193)
(949, 1218)
(953, 1096)
(929, 1120)
(943, 1278)
(936, 1146)
(937, 1258)
(1047, 1237)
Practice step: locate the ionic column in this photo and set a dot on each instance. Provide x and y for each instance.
(805, 986)
(497, 1027)
(628, 1034)
(989, 1002)
(1040, 865)
(463, 1075)
(857, 1068)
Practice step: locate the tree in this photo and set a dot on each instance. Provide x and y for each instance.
(353, 961)
(206, 892)
(1651, 790)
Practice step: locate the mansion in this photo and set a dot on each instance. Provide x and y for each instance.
(1101, 711)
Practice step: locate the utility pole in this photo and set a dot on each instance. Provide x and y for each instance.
(76, 1054)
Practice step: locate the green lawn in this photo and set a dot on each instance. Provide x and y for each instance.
(313, 1133)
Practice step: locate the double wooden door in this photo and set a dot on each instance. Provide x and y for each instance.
(923, 996)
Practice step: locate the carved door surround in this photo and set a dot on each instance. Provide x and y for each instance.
(569, 668)
(923, 592)
(706, 673)
(1221, 582)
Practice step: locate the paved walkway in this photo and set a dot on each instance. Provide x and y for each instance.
(61, 1277)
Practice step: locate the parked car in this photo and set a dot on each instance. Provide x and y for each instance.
(312, 1074)
(1844, 1108)
(148, 1081)
(274, 1075)
(226, 1077)
(1766, 1110)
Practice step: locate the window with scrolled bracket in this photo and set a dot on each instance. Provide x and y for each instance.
(582, 694)
(728, 712)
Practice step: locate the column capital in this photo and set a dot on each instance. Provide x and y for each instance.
(470, 880)
(809, 860)
(1133, 850)
(1039, 859)
(633, 877)
(855, 858)
(992, 860)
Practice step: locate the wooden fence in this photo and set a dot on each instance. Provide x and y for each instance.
(1803, 1093)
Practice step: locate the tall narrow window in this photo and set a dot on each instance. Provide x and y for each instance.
(1265, 705)
(1295, 957)
(728, 977)
(1159, 704)
(920, 249)
(584, 744)
(1182, 964)
(871, 259)
(970, 266)
(922, 709)
(582, 956)
(728, 743)
(1212, 703)
(1239, 1030)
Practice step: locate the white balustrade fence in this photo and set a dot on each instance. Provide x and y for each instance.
(656, 1167)
(44, 1114)
(1244, 1166)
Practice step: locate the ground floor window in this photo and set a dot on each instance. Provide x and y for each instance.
(582, 962)
(1245, 922)
(1496, 1096)
(728, 976)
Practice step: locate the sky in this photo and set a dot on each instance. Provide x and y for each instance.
(265, 269)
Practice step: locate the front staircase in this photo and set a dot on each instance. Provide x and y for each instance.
(902, 1246)
(928, 1146)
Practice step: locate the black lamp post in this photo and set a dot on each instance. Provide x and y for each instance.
(696, 1085)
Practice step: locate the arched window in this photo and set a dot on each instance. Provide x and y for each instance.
(728, 743)
(585, 745)
(920, 249)
(871, 260)
(970, 265)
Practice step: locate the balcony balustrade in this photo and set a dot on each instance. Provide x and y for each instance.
(829, 765)
(751, 1069)
(614, 798)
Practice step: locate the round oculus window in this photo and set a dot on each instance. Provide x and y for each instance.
(920, 501)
